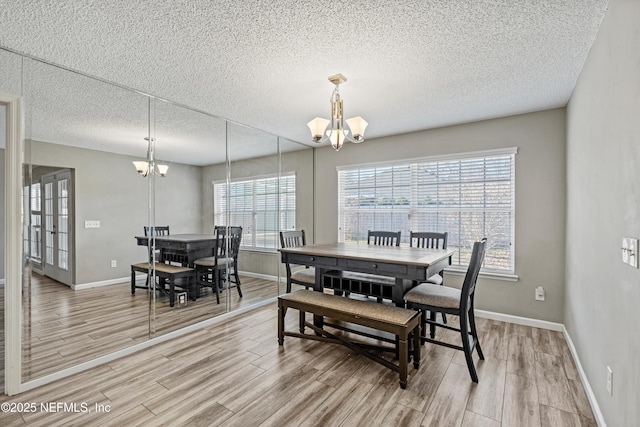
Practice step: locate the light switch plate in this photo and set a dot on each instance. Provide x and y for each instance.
(92, 224)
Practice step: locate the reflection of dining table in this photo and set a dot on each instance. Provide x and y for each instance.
(184, 247)
(335, 264)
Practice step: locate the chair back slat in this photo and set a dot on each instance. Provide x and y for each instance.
(383, 238)
(428, 240)
(228, 241)
(292, 239)
(158, 230)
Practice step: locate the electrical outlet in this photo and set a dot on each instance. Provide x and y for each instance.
(633, 252)
(539, 293)
(182, 299)
(610, 381)
(114, 263)
(630, 251)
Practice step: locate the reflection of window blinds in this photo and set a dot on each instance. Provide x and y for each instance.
(253, 204)
(470, 197)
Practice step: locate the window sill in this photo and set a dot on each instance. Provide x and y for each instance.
(461, 271)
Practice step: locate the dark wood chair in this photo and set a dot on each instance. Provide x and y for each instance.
(210, 270)
(459, 302)
(160, 230)
(383, 238)
(430, 240)
(306, 276)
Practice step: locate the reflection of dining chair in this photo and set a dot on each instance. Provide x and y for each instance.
(306, 276)
(459, 302)
(210, 270)
(383, 238)
(160, 230)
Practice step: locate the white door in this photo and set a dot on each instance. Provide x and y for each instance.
(57, 201)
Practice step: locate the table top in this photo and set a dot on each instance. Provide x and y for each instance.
(188, 238)
(389, 254)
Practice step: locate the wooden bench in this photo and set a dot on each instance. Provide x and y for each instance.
(401, 322)
(166, 272)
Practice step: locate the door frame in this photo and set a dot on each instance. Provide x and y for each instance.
(13, 254)
(67, 277)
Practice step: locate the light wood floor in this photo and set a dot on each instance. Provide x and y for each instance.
(234, 373)
(62, 327)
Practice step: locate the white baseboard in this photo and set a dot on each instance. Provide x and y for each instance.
(142, 278)
(526, 321)
(585, 382)
(106, 283)
(259, 276)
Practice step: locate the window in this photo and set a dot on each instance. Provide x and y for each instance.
(469, 196)
(259, 205)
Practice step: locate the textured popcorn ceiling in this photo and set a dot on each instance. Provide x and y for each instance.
(411, 65)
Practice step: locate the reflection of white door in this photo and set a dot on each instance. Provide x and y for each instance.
(56, 211)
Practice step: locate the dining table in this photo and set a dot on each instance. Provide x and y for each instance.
(344, 266)
(183, 248)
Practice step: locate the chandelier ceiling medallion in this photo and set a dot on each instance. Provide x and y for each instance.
(144, 167)
(337, 133)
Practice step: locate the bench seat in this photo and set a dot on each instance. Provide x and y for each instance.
(166, 272)
(403, 323)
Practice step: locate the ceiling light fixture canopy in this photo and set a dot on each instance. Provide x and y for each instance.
(337, 133)
(143, 167)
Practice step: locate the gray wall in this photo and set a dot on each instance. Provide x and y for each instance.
(540, 199)
(108, 188)
(603, 205)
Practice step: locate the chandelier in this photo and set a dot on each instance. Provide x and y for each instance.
(145, 166)
(337, 133)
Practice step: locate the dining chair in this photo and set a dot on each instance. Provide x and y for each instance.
(305, 276)
(458, 302)
(383, 238)
(429, 240)
(210, 270)
(159, 230)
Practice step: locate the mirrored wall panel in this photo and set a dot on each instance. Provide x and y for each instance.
(84, 203)
(140, 216)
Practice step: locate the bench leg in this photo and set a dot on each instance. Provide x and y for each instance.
(282, 310)
(133, 282)
(172, 292)
(403, 345)
(301, 320)
(416, 347)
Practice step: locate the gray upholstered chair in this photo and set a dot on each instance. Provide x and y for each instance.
(383, 238)
(459, 302)
(210, 270)
(305, 277)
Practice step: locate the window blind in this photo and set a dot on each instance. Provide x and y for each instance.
(469, 196)
(259, 205)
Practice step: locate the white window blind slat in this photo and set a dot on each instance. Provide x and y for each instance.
(470, 198)
(262, 206)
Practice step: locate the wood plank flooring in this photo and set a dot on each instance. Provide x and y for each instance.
(62, 327)
(235, 374)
